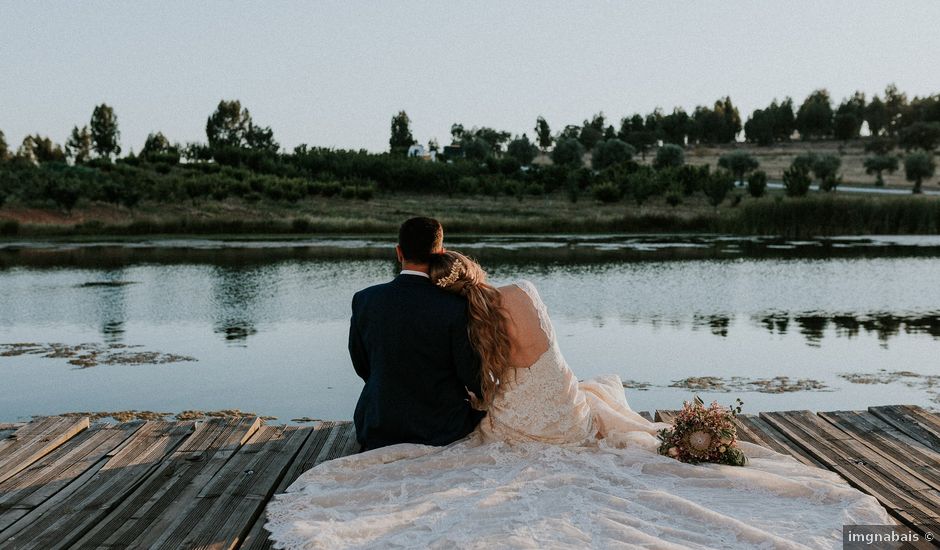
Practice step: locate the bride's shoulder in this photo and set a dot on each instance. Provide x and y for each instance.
(525, 285)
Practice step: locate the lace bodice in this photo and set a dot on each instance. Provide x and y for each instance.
(542, 402)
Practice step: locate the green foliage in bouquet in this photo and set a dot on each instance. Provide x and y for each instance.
(703, 434)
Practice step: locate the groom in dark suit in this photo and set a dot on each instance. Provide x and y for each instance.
(408, 340)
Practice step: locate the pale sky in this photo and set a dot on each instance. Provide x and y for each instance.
(333, 73)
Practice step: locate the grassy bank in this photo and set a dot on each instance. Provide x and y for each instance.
(817, 214)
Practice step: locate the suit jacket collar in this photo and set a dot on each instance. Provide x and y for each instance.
(411, 279)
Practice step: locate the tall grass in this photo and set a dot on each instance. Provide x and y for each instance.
(813, 215)
(836, 215)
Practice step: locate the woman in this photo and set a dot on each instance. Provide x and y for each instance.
(556, 463)
(510, 329)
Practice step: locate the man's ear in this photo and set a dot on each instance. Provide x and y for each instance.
(401, 259)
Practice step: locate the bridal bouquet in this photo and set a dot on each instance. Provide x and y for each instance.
(703, 434)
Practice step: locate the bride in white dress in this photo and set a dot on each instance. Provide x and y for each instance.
(556, 463)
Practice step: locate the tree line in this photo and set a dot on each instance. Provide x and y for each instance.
(241, 158)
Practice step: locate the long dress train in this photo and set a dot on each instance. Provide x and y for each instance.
(559, 463)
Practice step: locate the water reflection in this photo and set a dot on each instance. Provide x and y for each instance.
(236, 297)
(718, 324)
(885, 326)
(110, 291)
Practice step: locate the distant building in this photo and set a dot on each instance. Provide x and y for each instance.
(453, 151)
(418, 151)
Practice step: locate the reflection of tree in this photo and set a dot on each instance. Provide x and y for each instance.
(812, 327)
(846, 325)
(884, 325)
(111, 307)
(776, 322)
(718, 324)
(235, 299)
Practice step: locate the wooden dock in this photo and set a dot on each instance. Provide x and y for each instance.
(67, 483)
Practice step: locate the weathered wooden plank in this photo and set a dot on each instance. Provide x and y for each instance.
(59, 522)
(56, 471)
(904, 496)
(315, 451)
(912, 420)
(755, 430)
(229, 504)
(350, 446)
(896, 447)
(331, 440)
(170, 488)
(35, 440)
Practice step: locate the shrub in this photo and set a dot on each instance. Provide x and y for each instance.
(468, 185)
(918, 167)
(796, 179)
(606, 192)
(610, 152)
(804, 161)
(365, 192)
(826, 168)
(692, 178)
(642, 184)
(757, 184)
(718, 186)
(674, 196)
(738, 163)
(301, 225)
(331, 188)
(568, 152)
(669, 155)
(534, 188)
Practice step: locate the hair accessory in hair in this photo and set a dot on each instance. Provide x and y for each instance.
(451, 278)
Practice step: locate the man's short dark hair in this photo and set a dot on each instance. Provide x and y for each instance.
(419, 238)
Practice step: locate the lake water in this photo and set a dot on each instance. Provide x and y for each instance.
(261, 325)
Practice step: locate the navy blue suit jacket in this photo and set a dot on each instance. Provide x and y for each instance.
(408, 341)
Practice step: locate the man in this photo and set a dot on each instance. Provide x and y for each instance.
(408, 341)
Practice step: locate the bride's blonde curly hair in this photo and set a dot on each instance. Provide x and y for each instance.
(459, 274)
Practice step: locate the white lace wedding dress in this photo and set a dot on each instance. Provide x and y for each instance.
(559, 463)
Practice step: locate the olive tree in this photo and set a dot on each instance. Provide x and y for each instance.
(738, 163)
(918, 167)
(522, 150)
(568, 152)
(880, 163)
(610, 152)
(669, 155)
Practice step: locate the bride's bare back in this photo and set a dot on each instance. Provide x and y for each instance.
(527, 340)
